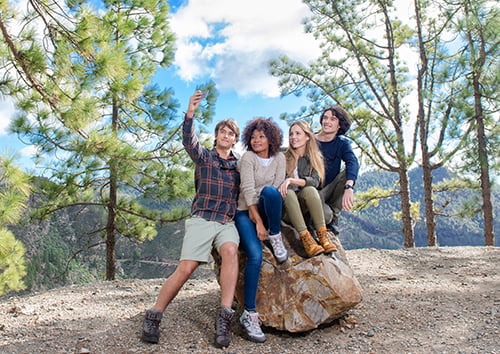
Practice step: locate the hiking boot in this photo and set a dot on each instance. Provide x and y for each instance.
(151, 326)
(325, 240)
(279, 249)
(223, 327)
(334, 226)
(250, 322)
(310, 245)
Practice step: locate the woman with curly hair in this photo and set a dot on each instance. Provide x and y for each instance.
(262, 170)
(305, 172)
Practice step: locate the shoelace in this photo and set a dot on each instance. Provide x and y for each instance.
(224, 324)
(151, 324)
(278, 246)
(253, 320)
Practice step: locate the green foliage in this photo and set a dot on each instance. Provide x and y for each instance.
(12, 263)
(371, 197)
(362, 67)
(14, 191)
(106, 135)
(406, 82)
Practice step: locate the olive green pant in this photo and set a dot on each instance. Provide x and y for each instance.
(331, 196)
(298, 203)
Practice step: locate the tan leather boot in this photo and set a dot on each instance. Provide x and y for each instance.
(310, 245)
(329, 246)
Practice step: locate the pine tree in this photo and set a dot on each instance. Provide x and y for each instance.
(81, 77)
(362, 68)
(14, 191)
(478, 24)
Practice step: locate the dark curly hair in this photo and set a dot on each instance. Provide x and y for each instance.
(342, 115)
(271, 130)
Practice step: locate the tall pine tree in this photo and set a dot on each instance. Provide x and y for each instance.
(81, 77)
(362, 68)
(14, 191)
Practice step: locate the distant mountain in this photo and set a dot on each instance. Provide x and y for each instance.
(59, 252)
(375, 227)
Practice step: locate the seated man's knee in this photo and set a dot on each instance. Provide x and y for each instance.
(229, 250)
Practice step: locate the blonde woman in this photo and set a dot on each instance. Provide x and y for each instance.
(305, 173)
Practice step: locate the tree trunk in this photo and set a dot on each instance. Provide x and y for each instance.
(430, 218)
(111, 224)
(489, 235)
(111, 227)
(477, 67)
(409, 240)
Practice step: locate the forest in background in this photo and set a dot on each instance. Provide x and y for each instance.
(59, 252)
(108, 138)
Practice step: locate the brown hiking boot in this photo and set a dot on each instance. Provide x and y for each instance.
(310, 245)
(329, 246)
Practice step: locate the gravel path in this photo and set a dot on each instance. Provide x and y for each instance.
(425, 300)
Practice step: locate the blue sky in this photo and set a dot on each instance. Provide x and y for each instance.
(229, 42)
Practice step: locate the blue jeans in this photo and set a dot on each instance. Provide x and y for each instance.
(269, 206)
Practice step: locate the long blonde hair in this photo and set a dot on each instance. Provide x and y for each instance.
(312, 152)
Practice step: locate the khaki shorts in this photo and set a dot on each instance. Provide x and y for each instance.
(202, 235)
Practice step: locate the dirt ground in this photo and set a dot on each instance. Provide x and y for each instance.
(424, 300)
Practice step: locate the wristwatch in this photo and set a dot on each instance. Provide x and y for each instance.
(348, 186)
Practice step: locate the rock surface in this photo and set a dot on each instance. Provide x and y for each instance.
(422, 300)
(302, 293)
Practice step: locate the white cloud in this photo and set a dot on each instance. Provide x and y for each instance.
(232, 41)
(7, 112)
(29, 151)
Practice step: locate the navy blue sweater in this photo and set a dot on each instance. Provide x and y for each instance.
(336, 151)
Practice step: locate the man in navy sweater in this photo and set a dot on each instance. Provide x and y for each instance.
(338, 190)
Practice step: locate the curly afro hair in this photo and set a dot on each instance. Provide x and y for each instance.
(271, 131)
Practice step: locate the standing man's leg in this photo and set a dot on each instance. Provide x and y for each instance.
(196, 245)
(174, 283)
(170, 288)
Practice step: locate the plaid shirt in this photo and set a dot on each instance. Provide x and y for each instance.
(217, 180)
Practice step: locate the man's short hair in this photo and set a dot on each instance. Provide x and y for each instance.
(231, 124)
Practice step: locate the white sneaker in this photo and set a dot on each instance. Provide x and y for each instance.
(250, 322)
(278, 247)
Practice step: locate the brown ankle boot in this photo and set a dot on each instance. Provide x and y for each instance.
(329, 246)
(310, 245)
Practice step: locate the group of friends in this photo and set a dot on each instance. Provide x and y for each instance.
(243, 201)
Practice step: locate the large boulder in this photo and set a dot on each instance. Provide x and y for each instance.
(302, 293)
